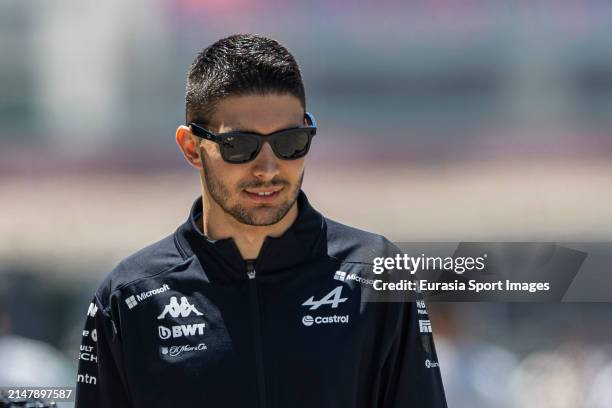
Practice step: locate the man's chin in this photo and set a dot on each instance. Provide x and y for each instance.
(265, 215)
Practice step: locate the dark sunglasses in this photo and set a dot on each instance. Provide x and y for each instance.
(242, 147)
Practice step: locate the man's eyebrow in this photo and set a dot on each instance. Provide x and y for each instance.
(241, 128)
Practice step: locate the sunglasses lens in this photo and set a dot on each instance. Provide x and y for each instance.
(240, 148)
(292, 145)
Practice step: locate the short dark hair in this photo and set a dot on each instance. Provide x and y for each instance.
(241, 64)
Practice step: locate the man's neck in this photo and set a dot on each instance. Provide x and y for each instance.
(217, 224)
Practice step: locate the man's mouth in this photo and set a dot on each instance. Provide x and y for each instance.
(264, 195)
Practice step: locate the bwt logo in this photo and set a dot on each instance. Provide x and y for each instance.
(184, 309)
(184, 330)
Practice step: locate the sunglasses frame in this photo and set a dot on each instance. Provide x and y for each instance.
(223, 138)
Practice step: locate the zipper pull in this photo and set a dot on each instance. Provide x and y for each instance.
(250, 269)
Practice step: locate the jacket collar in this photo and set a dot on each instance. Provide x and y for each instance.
(221, 258)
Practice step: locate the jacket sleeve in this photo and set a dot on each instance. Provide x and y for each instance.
(411, 375)
(100, 378)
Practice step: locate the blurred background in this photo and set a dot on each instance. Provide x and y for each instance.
(439, 120)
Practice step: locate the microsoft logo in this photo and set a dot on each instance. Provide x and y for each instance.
(346, 277)
(131, 302)
(341, 276)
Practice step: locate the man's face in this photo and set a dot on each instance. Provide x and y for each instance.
(262, 191)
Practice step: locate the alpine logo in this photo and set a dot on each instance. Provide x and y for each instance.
(133, 300)
(309, 320)
(333, 298)
(425, 326)
(183, 330)
(184, 309)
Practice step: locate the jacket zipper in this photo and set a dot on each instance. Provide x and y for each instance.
(251, 273)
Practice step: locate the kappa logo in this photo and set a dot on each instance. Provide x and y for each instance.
(184, 309)
(333, 298)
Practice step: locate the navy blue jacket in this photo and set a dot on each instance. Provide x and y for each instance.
(188, 322)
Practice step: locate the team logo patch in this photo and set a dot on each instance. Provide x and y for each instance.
(174, 351)
(183, 330)
(333, 298)
(133, 300)
(176, 309)
(425, 326)
(340, 275)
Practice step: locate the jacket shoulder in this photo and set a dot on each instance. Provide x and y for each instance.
(147, 262)
(352, 245)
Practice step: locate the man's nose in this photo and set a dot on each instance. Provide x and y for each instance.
(265, 165)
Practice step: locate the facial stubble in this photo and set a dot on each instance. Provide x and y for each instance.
(221, 194)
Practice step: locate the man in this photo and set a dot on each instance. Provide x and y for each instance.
(257, 299)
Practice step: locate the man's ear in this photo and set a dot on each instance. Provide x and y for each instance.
(189, 145)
